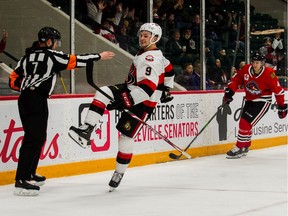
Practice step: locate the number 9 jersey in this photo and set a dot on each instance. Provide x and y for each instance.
(148, 74)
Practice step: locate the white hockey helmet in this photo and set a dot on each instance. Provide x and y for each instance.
(154, 28)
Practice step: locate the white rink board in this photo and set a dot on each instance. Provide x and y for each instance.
(179, 120)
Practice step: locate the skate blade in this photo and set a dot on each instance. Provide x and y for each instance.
(41, 183)
(25, 192)
(234, 157)
(111, 189)
(78, 141)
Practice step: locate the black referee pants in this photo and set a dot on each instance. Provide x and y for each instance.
(33, 110)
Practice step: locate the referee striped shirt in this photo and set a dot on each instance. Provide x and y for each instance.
(38, 70)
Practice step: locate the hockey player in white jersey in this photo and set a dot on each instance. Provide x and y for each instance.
(149, 79)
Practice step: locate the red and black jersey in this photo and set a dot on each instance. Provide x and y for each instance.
(258, 87)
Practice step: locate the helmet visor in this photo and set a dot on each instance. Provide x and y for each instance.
(58, 41)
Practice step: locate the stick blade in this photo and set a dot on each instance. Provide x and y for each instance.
(174, 156)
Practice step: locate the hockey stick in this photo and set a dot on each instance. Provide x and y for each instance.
(176, 157)
(11, 56)
(89, 76)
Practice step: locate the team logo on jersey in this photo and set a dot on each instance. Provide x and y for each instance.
(253, 88)
(127, 126)
(273, 75)
(149, 58)
(131, 79)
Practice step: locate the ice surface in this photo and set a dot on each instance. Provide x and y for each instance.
(208, 186)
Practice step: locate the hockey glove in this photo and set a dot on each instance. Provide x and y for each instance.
(282, 111)
(166, 96)
(228, 96)
(124, 102)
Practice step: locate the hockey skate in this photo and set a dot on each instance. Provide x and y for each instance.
(38, 179)
(115, 181)
(234, 153)
(81, 135)
(25, 188)
(245, 151)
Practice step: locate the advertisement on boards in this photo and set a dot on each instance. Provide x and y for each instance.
(180, 121)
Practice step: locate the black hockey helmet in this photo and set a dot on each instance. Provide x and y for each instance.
(48, 33)
(257, 56)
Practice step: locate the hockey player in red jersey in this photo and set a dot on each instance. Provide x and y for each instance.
(148, 82)
(259, 83)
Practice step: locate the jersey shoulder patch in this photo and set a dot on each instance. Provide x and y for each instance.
(149, 58)
(273, 75)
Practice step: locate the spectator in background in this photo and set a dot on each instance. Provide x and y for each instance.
(225, 60)
(155, 15)
(229, 18)
(277, 42)
(233, 42)
(130, 20)
(218, 75)
(123, 38)
(168, 23)
(3, 41)
(175, 49)
(95, 9)
(279, 48)
(181, 13)
(185, 78)
(171, 21)
(213, 29)
(196, 80)
(187, 40)
(191, 77)
(113, 10)
(125, 41)
(269, 52)
(242, 27)
(108, 30)
(167, 17)
(233, 71)
(209, 50)
(196, 29)
(101, 12)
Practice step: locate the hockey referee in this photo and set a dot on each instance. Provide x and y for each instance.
(35, 77)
